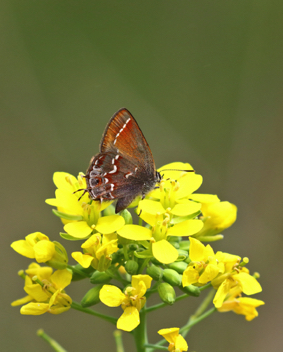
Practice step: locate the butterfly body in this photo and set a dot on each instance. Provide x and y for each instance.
(124, 168)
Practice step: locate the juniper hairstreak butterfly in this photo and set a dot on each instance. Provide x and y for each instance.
(124, 168)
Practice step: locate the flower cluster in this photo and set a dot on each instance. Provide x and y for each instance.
(168, 246)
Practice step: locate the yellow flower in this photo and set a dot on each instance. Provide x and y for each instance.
(45, 291)
(49, 296)
(132, 301)
(81, 216)
(158, 235)
(176, 341)
(217, 217)
(172, 197)
(34, 269)
(244, 281)
(97, 251)
(38, 246)
(204, 266)
(242, 305)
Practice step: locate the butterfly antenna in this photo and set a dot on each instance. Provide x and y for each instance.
(178, 170)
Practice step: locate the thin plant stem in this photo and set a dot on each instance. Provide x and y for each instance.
(54, 344)
(77, 271)
(108, 318)
(199, 313)
(140, 333)
(118, 339)
(162, 304)
(144, 264)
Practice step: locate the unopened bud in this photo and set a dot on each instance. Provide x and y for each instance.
(91, 297)
(167, 293)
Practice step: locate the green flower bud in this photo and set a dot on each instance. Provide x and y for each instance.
(91, 297)
(155, 272)
(100, 278)
(127, 216)
(191, 290)
(183, 255)
(167, 293)
(59, 259)
(131, 267)
(185, 245)
(172, 277)
(178, 266)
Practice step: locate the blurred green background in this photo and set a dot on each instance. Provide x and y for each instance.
(204, 81)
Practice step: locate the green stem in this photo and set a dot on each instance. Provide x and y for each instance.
(54, 344)
(118, 339)
(199, 315)
(77, 271)
(140, 333)
(144, 264)
(162, 304)
(125, 252)
(78, 307)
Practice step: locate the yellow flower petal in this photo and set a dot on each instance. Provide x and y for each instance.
(68, 201)
(170, 334)
(129, 320)
(196, 250)
(185, 228)
(36, 292)
(23, 248)
(146, 279)
(63, 180)
(109, 224)
(61, 278)
(83, 259)
(44, 251)
(150, 206)
(181, 344)
(210, 272)
(21, 301)
(222, 292)
(186, 208)
(164, 252)
(205, 198)
(111, 296)
(78, 229)
(249, 284)
(135, 232)
(188, 184)
(190, 276)
(34, 308)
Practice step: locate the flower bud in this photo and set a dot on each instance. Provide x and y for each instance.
(91, 297)
(127, 216)
(185, 245)
(178, 266)
(182, 255)
(191, 290)
(155, 272)
(59, 259)
(172, 277)
(99, 278)
(131, 267)
(167, 293)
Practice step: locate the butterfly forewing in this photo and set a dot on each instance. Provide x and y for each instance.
(124, 168)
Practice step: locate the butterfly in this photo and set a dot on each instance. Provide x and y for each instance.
(124, 168)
